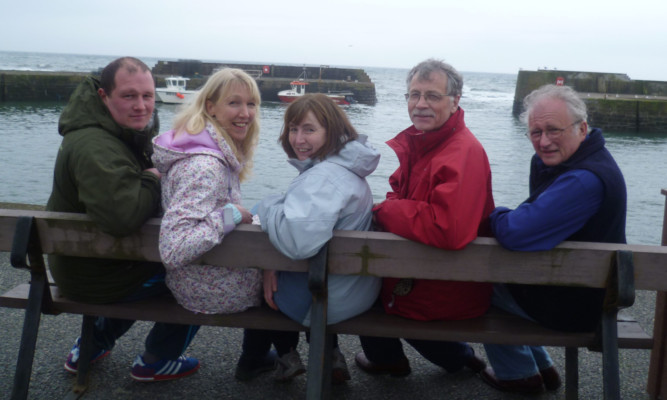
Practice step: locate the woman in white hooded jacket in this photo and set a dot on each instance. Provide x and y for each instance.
(330, 193)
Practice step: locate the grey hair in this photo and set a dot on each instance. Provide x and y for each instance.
(424, 69)
(575, 105)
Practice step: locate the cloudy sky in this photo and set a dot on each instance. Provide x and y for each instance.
(473, 35)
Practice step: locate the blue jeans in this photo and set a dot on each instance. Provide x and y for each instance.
(514, 362)
(166, 341)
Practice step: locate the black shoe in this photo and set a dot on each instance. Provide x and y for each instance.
(476, 364)
(400, 368)
(249, 367)
(531, 385)
(551, 378)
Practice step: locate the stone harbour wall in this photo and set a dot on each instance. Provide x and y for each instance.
(615, 102)
(58, 86)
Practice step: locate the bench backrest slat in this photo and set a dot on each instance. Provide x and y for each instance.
(571, 263)
(352, 252)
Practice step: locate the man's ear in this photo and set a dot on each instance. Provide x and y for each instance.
(583, 129)
(455, 103)
(102, 93)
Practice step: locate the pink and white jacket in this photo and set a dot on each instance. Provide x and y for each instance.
(200, 175)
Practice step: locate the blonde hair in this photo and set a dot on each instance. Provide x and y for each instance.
(193, 118)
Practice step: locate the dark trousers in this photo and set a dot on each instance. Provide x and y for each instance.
(452, 356)
(166, 341)
(257, 342)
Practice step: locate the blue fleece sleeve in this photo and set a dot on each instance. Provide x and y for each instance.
(555, 215)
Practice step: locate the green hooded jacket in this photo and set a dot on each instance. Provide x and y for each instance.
(99, 171)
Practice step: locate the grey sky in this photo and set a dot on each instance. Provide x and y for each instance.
(472, 35)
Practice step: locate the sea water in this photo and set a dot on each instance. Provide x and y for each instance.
(30, 140)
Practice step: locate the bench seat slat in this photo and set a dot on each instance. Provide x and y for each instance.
(495, 326)
(161, 309)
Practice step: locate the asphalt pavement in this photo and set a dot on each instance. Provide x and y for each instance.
(218, 350)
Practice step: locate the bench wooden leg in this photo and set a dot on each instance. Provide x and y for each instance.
(26, 247)
(620, 294)
(657, 372)
(571, 373)
(319, 367)
(31, 321)
(610, 369)
(319, 353)
(85, 354)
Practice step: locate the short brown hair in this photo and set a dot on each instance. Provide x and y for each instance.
(338, 128)
(108, 76)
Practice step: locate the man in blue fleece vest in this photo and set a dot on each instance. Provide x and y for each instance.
(577, 193)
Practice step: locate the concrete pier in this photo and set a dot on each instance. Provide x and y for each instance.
(58, 86)
(615, 102)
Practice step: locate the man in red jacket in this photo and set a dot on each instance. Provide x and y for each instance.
(441, 196)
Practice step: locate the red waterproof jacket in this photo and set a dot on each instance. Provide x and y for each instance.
(441, 196)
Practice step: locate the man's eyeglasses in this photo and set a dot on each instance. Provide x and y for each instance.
(430, 97)
(551, 133)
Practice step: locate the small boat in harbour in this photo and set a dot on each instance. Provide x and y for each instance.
(175, 91)
(298, 89)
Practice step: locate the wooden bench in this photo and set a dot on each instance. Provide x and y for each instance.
(621, 269)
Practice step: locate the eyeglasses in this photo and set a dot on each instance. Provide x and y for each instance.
(430, 97)
(551, 133)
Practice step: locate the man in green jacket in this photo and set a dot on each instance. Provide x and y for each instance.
(103, 169)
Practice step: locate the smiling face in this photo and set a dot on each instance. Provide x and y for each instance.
(307, 137)
(234, 112)
(132, 101)
(431, 116)
(553, 114)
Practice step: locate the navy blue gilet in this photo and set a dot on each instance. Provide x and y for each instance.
(571, 308)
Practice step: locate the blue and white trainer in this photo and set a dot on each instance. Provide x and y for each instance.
(72, 363)
(163, 370)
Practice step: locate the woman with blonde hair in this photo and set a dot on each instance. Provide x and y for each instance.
(203, 161)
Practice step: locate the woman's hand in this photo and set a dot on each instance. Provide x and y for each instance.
(246, 216)
(270, 287)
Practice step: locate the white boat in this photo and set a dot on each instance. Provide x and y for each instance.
(175, 91)
(298, 89)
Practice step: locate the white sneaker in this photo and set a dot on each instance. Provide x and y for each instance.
(288, 366)
(339, 371)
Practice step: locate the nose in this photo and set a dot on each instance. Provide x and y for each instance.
(299, 136)
(143, 103)
(140, 104)
(421, 103)
(544, 140)
(245, 111)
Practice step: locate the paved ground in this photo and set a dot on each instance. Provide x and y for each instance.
(218, 350)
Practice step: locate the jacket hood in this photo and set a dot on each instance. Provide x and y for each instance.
(358, 156)
(170, 148)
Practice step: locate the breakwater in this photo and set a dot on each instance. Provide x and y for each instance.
(615, 102)
(58, 86)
